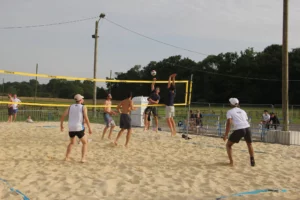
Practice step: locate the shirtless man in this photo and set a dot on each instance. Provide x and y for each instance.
(108, 117)
(125, 107)
(77, 114)
(153, 99)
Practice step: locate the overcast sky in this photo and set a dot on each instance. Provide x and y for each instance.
(207, 26)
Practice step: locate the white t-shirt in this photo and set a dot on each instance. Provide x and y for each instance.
(239, 118)
(76, 117)
(266, 117)
(15, 106)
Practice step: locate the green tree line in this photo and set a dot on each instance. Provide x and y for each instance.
(55, 88)
(253, 77)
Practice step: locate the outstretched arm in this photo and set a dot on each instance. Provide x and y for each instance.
(153, 84)
(171, 79)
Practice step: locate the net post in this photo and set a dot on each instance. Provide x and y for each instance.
(189, 104)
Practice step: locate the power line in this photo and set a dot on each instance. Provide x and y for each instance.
(43, 25)
(232, 76)
(158, 41)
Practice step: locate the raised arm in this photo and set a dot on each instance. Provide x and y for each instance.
(153, 84)
(171, 79)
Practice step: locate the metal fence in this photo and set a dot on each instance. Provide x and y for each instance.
(212, 123)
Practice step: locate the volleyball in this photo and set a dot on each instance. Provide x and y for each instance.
(153, 72)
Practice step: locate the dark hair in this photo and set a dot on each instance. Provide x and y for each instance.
(129, 94)
(265, 111)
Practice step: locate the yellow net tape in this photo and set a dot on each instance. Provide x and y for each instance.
(97, 106)
(83, 79)
(89, 79)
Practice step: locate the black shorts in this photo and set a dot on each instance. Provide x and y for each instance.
(152, 109)
(79, 134)
(10, 111)
(125, 121)
(241, 133)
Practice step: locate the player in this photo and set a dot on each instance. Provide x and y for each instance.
(77, 114)
(170, 109)
(153, 99)
(238, 118)
(108, 117)
(125, 107)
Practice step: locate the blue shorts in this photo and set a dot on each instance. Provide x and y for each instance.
(14, 111)
(108, 120)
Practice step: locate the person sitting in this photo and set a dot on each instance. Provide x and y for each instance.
(29, 120)
(274, 121)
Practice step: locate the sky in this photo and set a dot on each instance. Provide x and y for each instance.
(206, 26)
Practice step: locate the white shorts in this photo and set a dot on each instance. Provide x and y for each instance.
(170, 111)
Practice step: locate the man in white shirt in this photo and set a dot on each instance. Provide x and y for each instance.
(266, 119)
(15, 106)
(241, 129)
(77, 117)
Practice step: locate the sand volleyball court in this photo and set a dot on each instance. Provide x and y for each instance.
(154, 166)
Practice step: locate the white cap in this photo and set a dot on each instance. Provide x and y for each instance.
(234, 101)
(78, 97)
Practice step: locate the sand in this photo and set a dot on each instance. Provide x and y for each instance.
(154, 166)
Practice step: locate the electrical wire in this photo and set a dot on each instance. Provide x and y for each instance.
(231, 76)
(44, 25)
(158, 41)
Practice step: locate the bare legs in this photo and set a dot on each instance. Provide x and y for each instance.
(127, 137)
(83, 151)
(15, 117)
(156, 123)
(229, 152)
(110, 132)
(171, 124)
(9, 118)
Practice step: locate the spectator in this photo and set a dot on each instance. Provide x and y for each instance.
(15, 106)
(29, 120)
(274, 121)
(266, 119)
(10, 109)
(199, 118)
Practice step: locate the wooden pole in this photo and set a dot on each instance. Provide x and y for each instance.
(285, 68)
(95, 66)
(36, 83)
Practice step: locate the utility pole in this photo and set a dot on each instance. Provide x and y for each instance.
(285, 68)
(3, 88)
(95, 36)
(36, 83)
(110, 82)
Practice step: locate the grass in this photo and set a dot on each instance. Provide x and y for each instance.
(253, 111)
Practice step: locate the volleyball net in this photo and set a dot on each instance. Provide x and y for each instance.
(43, 90)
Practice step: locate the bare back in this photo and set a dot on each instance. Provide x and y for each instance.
(126, 106)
